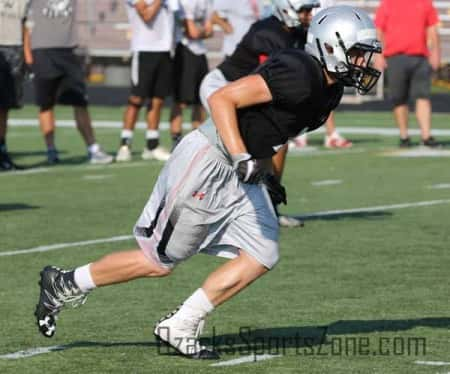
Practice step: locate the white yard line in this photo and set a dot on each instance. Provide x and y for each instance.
(246, 359)
(382, 131)
(418, 204)
(96, 177)
(32, 352)
(328, 182)
(440, 186)
(24, 172)
(53, 247)
(432, 363)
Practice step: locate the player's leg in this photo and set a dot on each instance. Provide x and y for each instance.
(160, 88)
(176, 123)
(420, 92)
(398, 75)
(60, 287)
(138, 93)
(332, 138)
(198, 115)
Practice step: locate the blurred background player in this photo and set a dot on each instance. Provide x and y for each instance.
(408, 30)
(332, 138)
(152, 36)
(12, 17)
(235, 18)
(190, 62)
(50, 40)
(285, 29)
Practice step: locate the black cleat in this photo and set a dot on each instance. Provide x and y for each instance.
(6, 164)
(52, 156)
(405, 143)
(430, 142)
(57, 289)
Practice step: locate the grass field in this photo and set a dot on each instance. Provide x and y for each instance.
(354, 289)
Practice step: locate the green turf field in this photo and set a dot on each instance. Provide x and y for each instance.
(356, 291)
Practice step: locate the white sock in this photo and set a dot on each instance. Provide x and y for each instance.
(152, 134)
(197, 305)
(83, 278)
(93, 148)
(126, 134)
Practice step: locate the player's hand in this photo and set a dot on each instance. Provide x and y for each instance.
(434, 60)
(276, 190)
(380, 62)
(247, 168)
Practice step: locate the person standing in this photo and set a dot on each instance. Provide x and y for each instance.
(12, 18)
(235, 18)
(50, 41)
(408, 30)
(332, 137)
(190, 63)
(152, 37)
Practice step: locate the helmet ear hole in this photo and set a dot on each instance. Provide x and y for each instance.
(329, 48)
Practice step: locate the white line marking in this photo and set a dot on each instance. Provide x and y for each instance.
(326, 152)
(96, 177)
(376, 208)
(418, 152)
(24, 172)
(383, 131)
(329, 182)
(432, 363)
(32, 352)
(245, 359)
(54, 247)
(440, 186)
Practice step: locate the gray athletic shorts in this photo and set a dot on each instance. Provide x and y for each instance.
(198, 205)
(409, 77)
(213, 81)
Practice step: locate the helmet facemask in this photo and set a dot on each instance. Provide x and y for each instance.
(357, 70)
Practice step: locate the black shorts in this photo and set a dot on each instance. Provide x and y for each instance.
(409, 77)
(151, 74)
(189, 71)
(11, 77)
(58, 78)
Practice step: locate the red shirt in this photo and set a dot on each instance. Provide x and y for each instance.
(404, 24)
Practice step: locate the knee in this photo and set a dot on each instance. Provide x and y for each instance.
(135, 101)
(158, 272)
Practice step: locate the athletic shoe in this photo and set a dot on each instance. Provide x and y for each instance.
(298, 142)
(100, 158)
(287, 221)
(336, 141)
(431, 143)
(182, 334)
(159, 153)
(57, 289)
(6, 164)
(52, 156)
(405, 142)
(123, 154)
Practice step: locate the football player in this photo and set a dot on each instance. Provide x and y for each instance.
(211, 196)
(285, 29)
(190, 63)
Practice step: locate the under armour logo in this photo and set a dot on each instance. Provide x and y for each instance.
(199, 195)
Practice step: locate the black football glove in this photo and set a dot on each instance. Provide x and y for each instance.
(247, 168)
(276, 190)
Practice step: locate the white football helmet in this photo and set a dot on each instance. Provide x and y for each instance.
(339, 33)
(287, 10)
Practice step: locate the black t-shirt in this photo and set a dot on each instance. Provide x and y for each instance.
(302, 101)
(264, 38)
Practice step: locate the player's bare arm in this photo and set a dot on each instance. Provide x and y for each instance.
(148, 11)
(196, 32)
(27, 46)
(222, 22)
(434, 45)
(250, 90)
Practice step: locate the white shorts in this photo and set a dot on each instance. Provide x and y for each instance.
(213, 81)
(199, 205)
